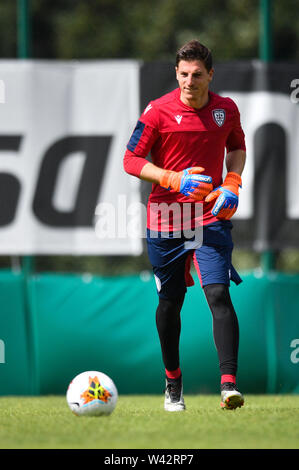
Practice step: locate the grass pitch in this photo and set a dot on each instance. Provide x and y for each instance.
(139, 422)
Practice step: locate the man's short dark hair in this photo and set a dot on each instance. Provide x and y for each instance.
(194, 50)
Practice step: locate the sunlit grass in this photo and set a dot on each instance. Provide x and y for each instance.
(140, 422)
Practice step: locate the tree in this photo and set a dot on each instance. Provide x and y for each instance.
(149, 30)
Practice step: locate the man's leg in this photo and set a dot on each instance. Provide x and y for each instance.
(213, 261)
(171, 264)
(225, 327)
(168, 321)
(226, 337)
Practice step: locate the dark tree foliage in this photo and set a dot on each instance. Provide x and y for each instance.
(148, 30)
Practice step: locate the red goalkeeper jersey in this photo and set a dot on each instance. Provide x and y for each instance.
(178, 137)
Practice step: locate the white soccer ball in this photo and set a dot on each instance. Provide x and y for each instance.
(92, 393)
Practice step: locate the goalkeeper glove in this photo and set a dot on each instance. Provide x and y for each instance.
(188, 182)
(227, 196)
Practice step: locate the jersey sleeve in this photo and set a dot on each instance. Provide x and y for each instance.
(133, 164)
(236, 138)
(141, 141)
(145, 133)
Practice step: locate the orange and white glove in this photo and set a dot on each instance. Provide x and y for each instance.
(227, 196)
(188, 182)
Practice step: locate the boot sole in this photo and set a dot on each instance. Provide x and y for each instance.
(174, 408)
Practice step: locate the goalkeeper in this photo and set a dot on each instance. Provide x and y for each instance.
(187, 132)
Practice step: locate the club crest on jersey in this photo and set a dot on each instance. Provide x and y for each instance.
(219, 116)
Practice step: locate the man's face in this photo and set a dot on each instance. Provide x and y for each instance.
(193, 79)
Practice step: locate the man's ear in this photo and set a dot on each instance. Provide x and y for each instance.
(211, 74)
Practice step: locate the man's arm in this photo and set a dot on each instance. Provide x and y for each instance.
(227, 195)
(151, 173)
(235, 161)
(188, 182)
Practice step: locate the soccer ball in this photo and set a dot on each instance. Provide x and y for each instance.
(92, 393)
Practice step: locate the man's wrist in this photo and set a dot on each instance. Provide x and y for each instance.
(234, 179)
(165, 179)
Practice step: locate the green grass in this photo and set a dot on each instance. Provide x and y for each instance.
(265, 422)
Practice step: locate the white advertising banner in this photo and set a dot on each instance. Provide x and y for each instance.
(272, 108)
(64, 127)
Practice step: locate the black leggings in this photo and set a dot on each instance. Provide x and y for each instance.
(225, 328)
(168, 321)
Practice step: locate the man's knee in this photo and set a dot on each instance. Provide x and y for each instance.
(217, 295)
(170, 306)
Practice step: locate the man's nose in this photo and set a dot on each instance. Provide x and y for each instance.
(189, 80)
